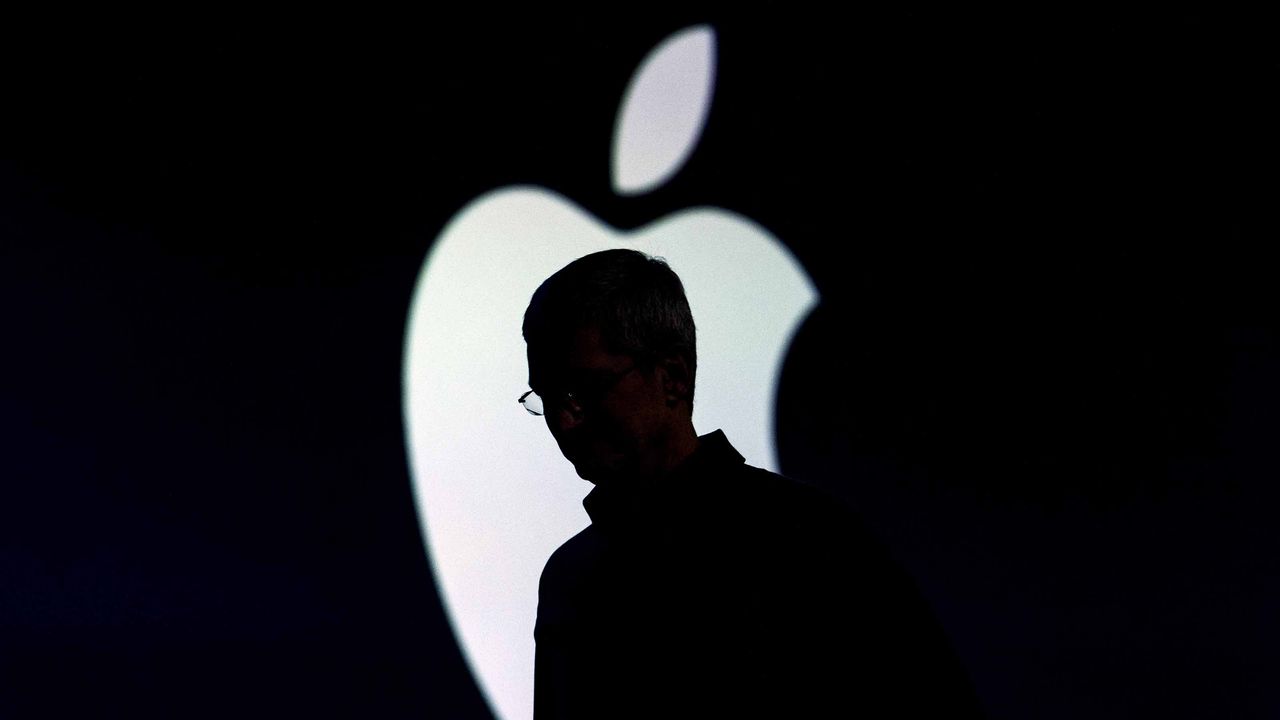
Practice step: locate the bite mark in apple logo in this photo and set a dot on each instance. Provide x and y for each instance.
(493, 494)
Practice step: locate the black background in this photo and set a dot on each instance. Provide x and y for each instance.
(1044, 368)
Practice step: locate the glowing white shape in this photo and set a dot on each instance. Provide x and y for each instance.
(494, 496)
(664, 110)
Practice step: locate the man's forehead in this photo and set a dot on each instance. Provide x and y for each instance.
(585, 343)
(581, 351)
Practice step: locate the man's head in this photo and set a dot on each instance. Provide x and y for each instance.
(611, 349)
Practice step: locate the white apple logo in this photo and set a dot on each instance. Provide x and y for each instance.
(494, 496)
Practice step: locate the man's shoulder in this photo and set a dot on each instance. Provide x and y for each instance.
(762, 490)
(581, 551)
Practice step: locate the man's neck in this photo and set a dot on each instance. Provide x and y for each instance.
(687, 444)
(680, 445)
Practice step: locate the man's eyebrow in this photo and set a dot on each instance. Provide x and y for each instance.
(567, 381)
(545, 385)
(583, 371)
(581, 376)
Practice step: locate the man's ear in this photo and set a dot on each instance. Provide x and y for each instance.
(677, 379)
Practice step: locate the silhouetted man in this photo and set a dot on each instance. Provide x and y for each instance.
(703, 587)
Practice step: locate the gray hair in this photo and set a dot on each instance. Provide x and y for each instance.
(636, 301)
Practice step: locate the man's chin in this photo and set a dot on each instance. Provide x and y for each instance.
(595, 473)
(590, 473)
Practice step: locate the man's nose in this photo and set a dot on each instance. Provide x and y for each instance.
(565, 416)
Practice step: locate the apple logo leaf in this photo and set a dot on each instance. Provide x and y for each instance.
(664, 110)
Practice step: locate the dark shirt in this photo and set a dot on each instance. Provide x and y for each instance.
(724, 590)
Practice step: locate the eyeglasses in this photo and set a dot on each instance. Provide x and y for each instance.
(573, 402)
(535, 405)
